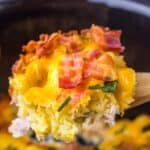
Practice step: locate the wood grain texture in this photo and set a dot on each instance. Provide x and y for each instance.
(142, 90)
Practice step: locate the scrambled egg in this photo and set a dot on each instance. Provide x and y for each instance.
(51, 81)
(128, 135)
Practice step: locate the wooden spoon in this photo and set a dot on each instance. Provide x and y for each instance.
(142, 90)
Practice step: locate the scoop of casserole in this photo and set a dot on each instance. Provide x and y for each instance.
(68, 83)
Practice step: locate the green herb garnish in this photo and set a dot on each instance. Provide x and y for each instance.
(146, 128)
(109, 86)
(65, 102)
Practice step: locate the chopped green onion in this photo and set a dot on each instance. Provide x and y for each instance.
(109, 86)
(65, 102)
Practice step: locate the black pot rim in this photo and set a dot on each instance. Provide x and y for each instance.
(128, 5)
(10, 6)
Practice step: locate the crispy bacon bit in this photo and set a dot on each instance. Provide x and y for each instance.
(49, 45)
(93, 54)
(107, 39)
(112, 39)
(44, 46)
(72, 41)
(77, 95)
(40, 51)
(32, 45)
(44, 37)
(20, 64)
(74, 69)
(17, 66)
(92, 69)
(99, 68)
(97, 34)
(71, 71)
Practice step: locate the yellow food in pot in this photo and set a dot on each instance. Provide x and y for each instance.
(128, 135)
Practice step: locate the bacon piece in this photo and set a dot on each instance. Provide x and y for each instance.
(70, 74)
(72, 41)
(112, 39)
(92, 69)
(73, 69)
(97, 34)
(93, 54)
(30, 47)
(33, 46)
(77, 95)
(100, 68)
(20, 65)
(50, 44)
(44, 46)
(107, 39)
(44, 37)
(17, 66)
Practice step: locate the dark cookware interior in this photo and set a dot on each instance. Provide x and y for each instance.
(19, 24)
